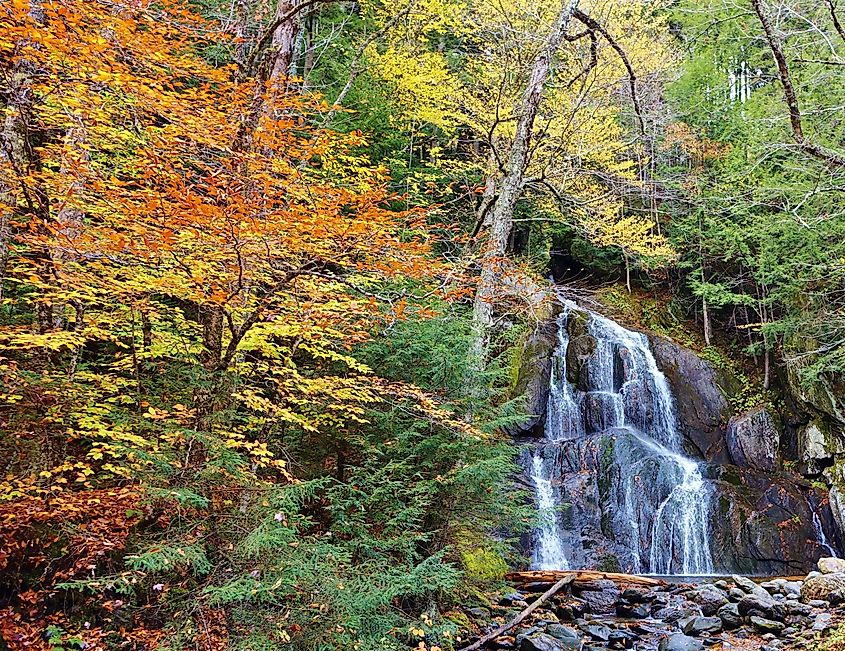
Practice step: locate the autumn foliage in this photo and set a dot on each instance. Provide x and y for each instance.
(188, 259)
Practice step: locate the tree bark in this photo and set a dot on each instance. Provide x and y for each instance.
(510, 188)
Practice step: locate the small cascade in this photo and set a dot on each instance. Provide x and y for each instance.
(562, 423)
(821, 537)
(657, 504)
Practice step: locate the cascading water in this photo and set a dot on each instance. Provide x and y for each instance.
(562, 423)
(659, 504)
(821, 537)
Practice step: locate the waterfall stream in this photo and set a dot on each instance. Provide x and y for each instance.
(659, 505)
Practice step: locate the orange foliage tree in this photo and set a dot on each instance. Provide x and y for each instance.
(186, 263)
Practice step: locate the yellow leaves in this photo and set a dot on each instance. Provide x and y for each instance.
(426, 91)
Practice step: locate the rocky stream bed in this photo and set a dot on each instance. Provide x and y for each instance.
(730, 613)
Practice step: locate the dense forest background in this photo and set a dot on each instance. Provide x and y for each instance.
(266, 269)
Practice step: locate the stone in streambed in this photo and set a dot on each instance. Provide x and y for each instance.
(823, 587)
(601, 597)
(621, 640)
(763, 606)
(829, 565)
(638, 595)
(735, 594)
(545, 642)
(624, 608)
(729, 614)
(701, 625)
(710, 598)
(597, 631)
(749, 587)
(561, 632)
(823, 622)
(767, 625)
(680, 642)
(672, 614)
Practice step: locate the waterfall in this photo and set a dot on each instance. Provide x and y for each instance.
(821, 537)
(659, 509)
(562, 423)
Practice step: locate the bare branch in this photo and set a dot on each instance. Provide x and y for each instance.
(592, 24)
(831, 7)
(790, 97)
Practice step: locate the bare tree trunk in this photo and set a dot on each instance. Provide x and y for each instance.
(510, 188)
(284, 43)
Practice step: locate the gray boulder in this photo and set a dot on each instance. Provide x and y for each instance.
(729, 614)
(752, 439)
(545, 642)
(702, 626)
(829, 565)
(680, 642)
(767, 625)
(749, 587)
(825, 587)
(764, 606)
(601, 599)
(710, 598)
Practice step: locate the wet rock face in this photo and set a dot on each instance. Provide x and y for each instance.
(532, 385)
(764, 522)
(700, 391)
(752, 439)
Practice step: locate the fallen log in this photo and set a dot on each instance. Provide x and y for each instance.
(582, 576)
(566, 580)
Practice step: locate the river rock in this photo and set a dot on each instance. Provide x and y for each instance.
(680, 642)
(735, 594)
(710, 598)
(823, 622)
(755, 604)
(597, 631)
(601, 599)
(823, 587)
(752, 439)
(767, 625)
(561, 632)
(621, 640)
(624, 608)
(638, 595)
(702, 625)
(749, 587)
(729, 614)
(829, 565)
(545, 642)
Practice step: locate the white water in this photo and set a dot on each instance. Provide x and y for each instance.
(821, 537)
(666, 513)
(562, 423)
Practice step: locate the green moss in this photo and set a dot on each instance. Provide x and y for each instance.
(483, 565)
(608, 563)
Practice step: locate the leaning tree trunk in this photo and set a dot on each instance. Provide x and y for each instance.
(510, 188)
